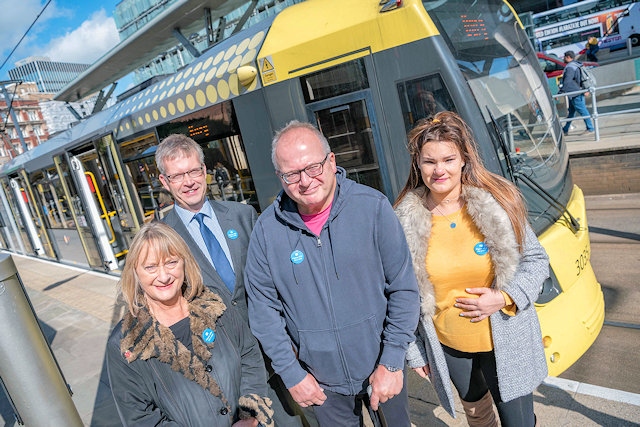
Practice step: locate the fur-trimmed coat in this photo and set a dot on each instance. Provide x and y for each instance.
(156, 380)
(517, 340)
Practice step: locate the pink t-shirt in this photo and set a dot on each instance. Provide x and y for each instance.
(315, 222)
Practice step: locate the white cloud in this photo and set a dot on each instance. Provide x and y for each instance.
(15, 19)
(86, 44)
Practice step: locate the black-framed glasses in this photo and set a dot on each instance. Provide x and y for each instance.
(179, 177)
(312, 170)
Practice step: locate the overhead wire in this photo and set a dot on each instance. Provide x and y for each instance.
(25, 34)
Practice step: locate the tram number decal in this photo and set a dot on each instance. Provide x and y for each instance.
(582, 261)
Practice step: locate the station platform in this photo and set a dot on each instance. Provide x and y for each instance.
(78, 308)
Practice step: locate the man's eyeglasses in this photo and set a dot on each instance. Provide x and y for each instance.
(313, 170)
(179, 177)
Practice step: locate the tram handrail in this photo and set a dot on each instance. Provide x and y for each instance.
(105, 214)
(594, 104)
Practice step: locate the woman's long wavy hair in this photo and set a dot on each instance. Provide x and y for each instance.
(449, 126)
(157, 237)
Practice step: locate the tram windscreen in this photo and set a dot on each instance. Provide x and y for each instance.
(502, 70)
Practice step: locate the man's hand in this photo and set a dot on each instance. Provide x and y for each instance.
(307, 392)
(384, 385)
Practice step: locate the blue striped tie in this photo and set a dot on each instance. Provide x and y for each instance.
(220, 261)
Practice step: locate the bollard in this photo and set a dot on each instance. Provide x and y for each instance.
(30, 374)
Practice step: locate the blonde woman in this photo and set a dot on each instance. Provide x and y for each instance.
(178, 357)
(480, 269)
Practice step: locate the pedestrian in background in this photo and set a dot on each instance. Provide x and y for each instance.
(571, 82)
(480, 269)
(333, 298)
(592, 48)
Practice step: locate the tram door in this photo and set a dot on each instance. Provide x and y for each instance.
(102, 201)
(339, 101)
(347, 123)
(57, 216)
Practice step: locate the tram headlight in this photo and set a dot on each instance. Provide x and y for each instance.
(550, 288)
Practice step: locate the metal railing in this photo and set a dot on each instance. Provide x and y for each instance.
(595, 115)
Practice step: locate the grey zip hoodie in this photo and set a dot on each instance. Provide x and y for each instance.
(337, 304)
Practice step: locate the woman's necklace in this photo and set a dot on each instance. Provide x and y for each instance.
(452, 224)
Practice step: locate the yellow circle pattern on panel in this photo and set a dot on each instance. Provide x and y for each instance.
(199, 79)
(218, 57)
(222, 69)
(229, 53)
(219, 72)
(256, 39)
(210, 74)
(223, 89)
(189, 83)
(191, 102)
(242, 46)
(201, 98)
(234, 64)
(212, 95)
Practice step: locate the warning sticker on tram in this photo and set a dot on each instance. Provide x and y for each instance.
(267, 70)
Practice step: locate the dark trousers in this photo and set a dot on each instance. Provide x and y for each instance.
(346, 411)
(577, 104)
(473, 374)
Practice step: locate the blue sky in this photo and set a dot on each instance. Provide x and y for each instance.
(68, 30)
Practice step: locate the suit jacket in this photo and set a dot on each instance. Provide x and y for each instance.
(231, 216)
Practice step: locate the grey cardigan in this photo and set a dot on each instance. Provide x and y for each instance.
(517, 340)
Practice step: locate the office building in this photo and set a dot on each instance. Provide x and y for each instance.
(49, 76)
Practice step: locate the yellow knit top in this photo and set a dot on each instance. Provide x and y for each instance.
(458, 259)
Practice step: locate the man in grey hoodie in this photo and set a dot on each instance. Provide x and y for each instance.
(332, 295)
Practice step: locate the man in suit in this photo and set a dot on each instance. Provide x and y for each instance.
(180, 161)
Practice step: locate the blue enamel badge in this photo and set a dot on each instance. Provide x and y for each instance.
(208, 335)
(232, 234)
(481, 248)
(297, 257)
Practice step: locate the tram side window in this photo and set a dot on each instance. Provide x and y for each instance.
(423, 97)
(339, 80)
